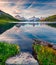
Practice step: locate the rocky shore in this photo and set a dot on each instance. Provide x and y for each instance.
(41, 42)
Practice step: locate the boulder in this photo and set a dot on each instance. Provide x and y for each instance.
(24, 58)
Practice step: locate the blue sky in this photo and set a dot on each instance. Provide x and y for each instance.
(29, 8)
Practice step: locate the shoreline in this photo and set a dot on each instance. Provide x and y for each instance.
(45, 43)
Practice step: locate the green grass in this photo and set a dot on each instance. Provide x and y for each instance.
(45, 55)
(7, 50)
(3, 21)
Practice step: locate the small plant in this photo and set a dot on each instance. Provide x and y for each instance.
(45, 55)
(7, 50)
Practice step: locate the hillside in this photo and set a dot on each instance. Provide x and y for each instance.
(5, 17)
(51, 18)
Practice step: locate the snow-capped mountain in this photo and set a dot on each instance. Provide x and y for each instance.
(19, 17)
(34, 18)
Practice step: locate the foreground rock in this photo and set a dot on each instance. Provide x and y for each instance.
(24, 58)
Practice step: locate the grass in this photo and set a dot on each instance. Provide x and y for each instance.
(7, 50)
(45, 55)
(3, 21)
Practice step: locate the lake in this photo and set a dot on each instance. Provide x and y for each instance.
(24, 33)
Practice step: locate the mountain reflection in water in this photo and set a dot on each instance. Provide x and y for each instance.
(23, 34)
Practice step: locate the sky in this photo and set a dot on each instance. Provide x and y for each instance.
(29, 8)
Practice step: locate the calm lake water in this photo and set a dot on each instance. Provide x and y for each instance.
(23, 34)
(38, 31)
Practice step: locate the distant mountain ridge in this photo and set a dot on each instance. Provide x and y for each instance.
(34, 18)
(19, 17)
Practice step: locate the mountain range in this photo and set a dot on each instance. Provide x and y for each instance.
(19, 17)
(30, 19)
(5, 17)
(34, 18)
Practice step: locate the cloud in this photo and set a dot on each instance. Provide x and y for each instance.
(28, 8)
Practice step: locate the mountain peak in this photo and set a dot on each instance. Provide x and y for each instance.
(34, 18)
(19, 17)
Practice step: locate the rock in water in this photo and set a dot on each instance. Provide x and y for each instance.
(24, 58)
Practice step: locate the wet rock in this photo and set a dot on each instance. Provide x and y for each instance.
(54, 47)
(24, 58)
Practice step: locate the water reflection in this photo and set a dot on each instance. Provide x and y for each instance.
(24, 33)
(38, 31)
(33, 24)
